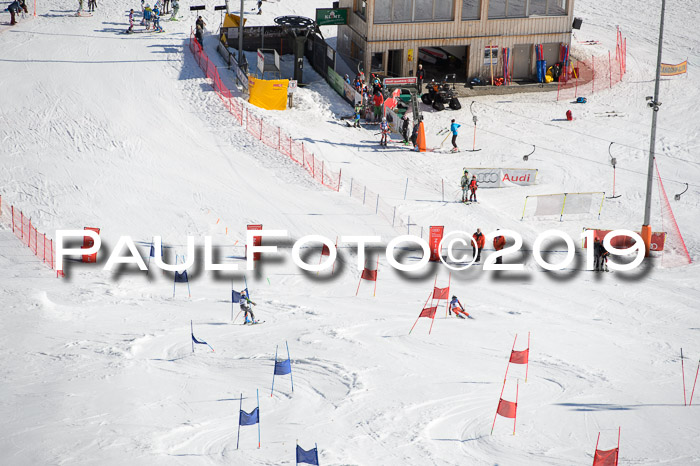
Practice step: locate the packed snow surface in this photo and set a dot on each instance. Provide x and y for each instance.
(123, 132)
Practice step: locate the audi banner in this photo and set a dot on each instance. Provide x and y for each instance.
(502, 177)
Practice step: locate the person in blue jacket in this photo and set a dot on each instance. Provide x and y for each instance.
(13, 8)
(453, 129)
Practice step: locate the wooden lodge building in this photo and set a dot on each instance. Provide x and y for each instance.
(466, 37)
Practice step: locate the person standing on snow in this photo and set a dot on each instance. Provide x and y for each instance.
(464, 183)
(384, 127)
(358, 114)
(200, 23)
(420, 75)
(13, 8)
(473, 186)
(166, 7)
(245, 304)
(480, 241)
(414, 135)
(404, 128)
(378, 102)
(457, 308)
(131, 22)
(498, 243)
(176, 7)
(259, 7)
(453, 129)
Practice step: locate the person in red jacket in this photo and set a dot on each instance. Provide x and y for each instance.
(473, 186)
(378, 102)
(480, 241)
(498, 243)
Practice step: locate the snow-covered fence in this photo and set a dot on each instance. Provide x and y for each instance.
(585, 77)
(271, 135)
(27, 233)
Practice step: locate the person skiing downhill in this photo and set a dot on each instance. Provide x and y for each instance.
(245, 304)
(464, 183)
(453, 129)
(384, 127)
(457, 308)
(473, 186)
(480, 241)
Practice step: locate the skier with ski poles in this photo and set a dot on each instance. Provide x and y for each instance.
(464, 183)
(245, 304)
(457, 308)
(453, 130)
(473, 186)
(384, 127)
(498, 243)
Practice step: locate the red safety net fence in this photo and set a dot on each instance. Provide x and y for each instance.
(269, 134)
(29, 235)
(675, 252)
(581, 78)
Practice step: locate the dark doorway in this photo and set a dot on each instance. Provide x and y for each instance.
(440, 61)
(394, 62)
(522, 62)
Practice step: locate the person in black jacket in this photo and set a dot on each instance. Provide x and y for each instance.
(420, 75)
(404, 128)
(13, 8)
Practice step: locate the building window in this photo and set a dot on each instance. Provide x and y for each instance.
(526, 8)
(360, 8)
(471, 9)
(377, 65)
(413, 11)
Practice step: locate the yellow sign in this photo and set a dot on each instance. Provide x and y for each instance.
(410, 54)
(672, 70)
(268, 94)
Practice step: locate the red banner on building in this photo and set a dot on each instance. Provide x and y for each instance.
(435, 239)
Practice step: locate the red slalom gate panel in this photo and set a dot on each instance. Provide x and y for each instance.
(658, 240)
(257, 241)
(87, 244)
(436, 233)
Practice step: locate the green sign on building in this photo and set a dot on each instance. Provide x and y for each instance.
(331, 17)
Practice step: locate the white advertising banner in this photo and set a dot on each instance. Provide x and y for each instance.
(502, 177)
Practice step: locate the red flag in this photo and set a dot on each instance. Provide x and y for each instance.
(428, 312)
(520, 357)
(368, 274)
(605, 457)
(325, 251)
(507, 408)
(441, 293)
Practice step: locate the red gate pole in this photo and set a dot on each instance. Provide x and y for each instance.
(29, 243)
(279, 139)
(21, 219)
(683, 371)
(617, 453)
(261, 129)
(44, 244)
(696, 379)
(322, 166)
(12, 212)
(593, 67)
(610, 68)
(515, 419)
(596, 447)
(527, 366)
(340, 174)
(313, 166)
(376, 277)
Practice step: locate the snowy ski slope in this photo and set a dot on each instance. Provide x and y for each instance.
(122, 132)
